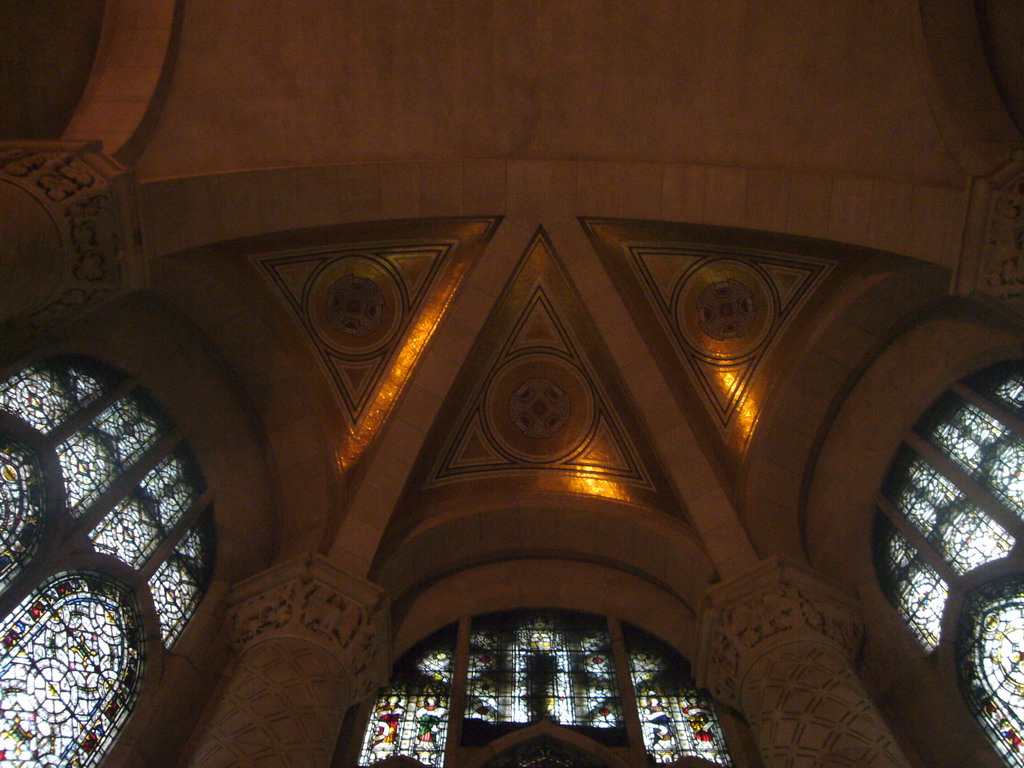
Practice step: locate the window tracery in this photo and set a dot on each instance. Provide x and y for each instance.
(954, 503)
(525, 667)
(71, 652)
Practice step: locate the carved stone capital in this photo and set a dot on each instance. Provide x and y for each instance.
(89, 201)
(992, 261)
(777, 603)
(310, 599)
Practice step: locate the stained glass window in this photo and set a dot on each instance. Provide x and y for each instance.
(410, 716)
(93, 457)
(531, 665)
(71, 652)
(140, 521)
(180, 581)
(69, 671)
(677, 719)
(917, 591)
(991, 650)
(21, 507)
(961, 532)
(46, 395)
(986, 449)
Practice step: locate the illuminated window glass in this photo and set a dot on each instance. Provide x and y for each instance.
(69, 671)
(93, 457)
(21, 507)
(987, 450)
(964, 535)
(180, 581)
(677, 719)
(991, 647)
(917, 591)
(410, 716)
(46, 395)
(73, 648)
(140, 521)
(530, 665)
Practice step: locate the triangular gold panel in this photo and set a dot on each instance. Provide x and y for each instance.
(369, 306)
(539, 396)
(720, 308)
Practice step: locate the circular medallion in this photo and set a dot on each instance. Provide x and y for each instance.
(724, 309)
(355, 305)
(539, 408)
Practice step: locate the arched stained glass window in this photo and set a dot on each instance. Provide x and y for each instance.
(410, 716)
(74, 647)
(46, 395)
(69, 671)
(677, 719)
(991, 647)
(953, 503)
(21, 507)
(516, 669)
(531, 665)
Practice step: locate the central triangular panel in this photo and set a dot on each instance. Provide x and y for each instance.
(539, 401)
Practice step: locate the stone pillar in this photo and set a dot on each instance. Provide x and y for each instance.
(777, 644)
(311, 640)
(67, 237)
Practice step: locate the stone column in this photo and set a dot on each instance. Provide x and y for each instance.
(311, 640)
(777, 644)
(67, 237)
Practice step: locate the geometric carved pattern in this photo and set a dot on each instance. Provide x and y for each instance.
(282, 709)
(777, 644)
(775, 603)
(310, 640)
(807, 707)
(535, 403)
(309, 598)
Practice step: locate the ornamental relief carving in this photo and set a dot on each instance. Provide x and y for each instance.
(741, 631)
(86, 213)
(1004, 261)
(304, 607)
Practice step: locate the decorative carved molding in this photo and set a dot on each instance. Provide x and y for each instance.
(87, 195)
(777, 603)
(310, 599)
(777, 644)
(992, 258)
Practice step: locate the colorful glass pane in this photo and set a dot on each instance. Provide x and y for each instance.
(21, 507)
(991, 650)
(917, 591)
(410, 716)
(677, 719)
(93, 457)
(139, 522)
(964, 535)
(70, 659)
(532, 665)
(179, 583)
(45, 396)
